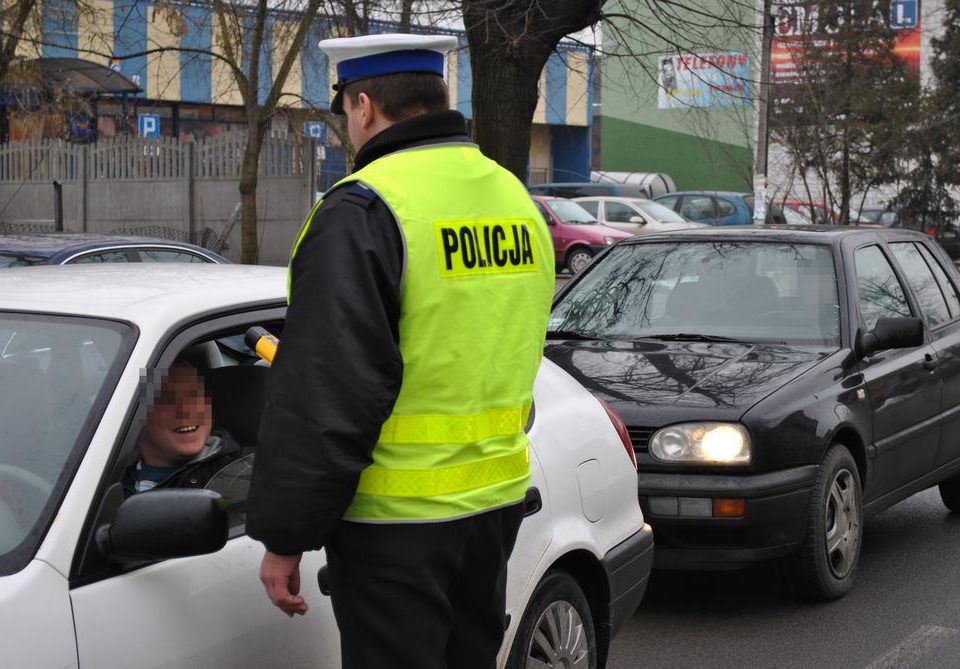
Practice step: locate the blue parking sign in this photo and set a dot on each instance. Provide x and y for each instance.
(315, 129)
(903, 14)
(149, 125)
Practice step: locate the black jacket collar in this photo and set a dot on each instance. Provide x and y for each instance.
(429, 128)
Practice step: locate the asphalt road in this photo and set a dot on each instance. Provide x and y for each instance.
(904, 610)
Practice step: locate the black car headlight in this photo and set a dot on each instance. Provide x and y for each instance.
(703, 443)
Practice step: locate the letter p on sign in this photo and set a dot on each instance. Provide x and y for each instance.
(149, 125)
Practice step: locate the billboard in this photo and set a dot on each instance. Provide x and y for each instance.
(703, 80)
(798, 28)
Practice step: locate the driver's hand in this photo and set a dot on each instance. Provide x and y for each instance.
(280, 575)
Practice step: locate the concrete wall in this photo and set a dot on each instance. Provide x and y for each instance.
(183, 207)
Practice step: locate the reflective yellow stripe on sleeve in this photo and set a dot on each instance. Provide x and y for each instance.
(454, 429)
(432, 482)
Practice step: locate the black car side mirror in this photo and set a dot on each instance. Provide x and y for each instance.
(891, 333)
(162, 524)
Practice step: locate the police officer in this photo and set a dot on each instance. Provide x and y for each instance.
(393, 435)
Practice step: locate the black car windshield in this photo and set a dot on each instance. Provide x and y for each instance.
(751, 291)
(16, 260)
(571, 212)
(56, 376)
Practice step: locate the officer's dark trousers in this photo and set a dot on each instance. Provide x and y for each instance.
(423, 596)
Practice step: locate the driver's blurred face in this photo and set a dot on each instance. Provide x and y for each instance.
(179, 421)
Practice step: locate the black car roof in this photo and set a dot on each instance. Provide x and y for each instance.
(48, 244)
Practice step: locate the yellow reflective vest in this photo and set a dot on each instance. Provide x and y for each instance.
(477, 287)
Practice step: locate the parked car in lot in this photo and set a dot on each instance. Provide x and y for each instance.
(577, 236)
(636, 216)
(725, 208)
(778, 385)
(89, 578)
(66, 248)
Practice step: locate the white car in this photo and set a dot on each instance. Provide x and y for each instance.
(637, 216)
(168, 578)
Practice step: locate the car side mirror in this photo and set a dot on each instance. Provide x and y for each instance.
(162, 524)
(638, 219)
(890, 333)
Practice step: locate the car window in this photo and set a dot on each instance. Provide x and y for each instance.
(920, 277)
(697, 207)
(158, 255)
(547, 218)
(56, 376)
(590, 205)
(670, 201)
(659, 212)
(750, 291)
(617, 212)
(881, 295)
(949, 290)
(569, 211)
(103, 257)
(725, 207)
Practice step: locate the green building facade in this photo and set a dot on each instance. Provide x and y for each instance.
(677, 95)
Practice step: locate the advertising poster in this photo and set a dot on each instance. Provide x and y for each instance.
(798, 29)
(703, 80)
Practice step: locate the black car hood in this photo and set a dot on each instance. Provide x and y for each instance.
(664, 381)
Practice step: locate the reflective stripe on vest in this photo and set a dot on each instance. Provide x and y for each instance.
(476, 296)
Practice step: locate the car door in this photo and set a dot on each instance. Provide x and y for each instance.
(903, 385)
(200, 611)
(940, 304)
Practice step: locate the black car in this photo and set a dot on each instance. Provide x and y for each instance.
(777, 383)
(67, 248)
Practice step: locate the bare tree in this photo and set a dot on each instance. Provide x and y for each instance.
(844, 118)
(14, 17)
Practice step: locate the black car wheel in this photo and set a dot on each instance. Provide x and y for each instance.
(827, 562)
(950, 494)
(578, 258)
(556, 629)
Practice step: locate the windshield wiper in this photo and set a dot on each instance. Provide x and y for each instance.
(689, 336)
(568, 334)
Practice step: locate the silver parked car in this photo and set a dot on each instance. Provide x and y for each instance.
(638, 216)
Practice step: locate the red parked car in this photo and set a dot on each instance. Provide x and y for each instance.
(577, 236)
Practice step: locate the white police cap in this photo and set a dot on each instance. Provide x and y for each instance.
(391, 53)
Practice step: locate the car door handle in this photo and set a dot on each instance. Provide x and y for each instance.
(532, 502)
(930, 361)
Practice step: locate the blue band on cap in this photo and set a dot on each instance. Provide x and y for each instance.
(391, 62)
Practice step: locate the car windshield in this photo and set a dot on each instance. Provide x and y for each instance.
(697, 290)
(15, 260)
(660, 213)
(56, 376)
(571, 212)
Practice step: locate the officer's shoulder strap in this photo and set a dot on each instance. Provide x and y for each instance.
(355, 192)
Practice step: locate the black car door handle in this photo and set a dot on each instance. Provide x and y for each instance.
(930, 361)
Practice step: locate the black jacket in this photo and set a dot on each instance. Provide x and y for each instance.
(338, 369)
(220, 450)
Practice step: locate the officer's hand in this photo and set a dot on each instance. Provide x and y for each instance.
(280, 575)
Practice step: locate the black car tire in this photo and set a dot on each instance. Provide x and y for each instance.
(577, 258)
(950, 494)
(826, 565)
(557, 604)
